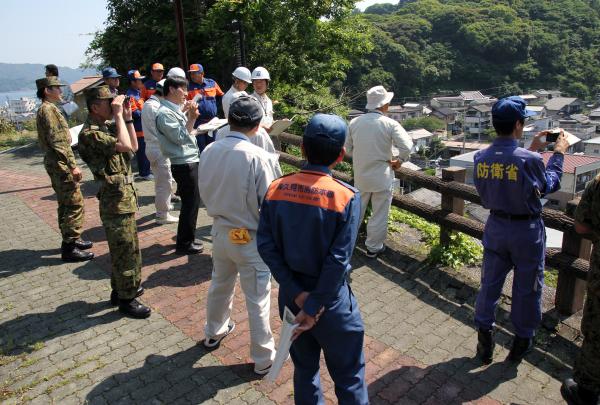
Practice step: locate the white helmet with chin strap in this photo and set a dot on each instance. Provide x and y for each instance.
(260, 73)
(243, 74)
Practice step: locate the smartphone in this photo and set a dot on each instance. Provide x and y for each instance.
(553, 134)
(127, 100)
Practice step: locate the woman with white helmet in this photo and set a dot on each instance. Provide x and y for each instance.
(260, 82)
(241, 80)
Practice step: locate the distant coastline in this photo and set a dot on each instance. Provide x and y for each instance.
(13, 95)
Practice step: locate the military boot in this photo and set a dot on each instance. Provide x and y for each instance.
(485, 345)
(520, 347)
(114, 296)
(576, 395)
(83, 244)
(70, 253)
(134, 309)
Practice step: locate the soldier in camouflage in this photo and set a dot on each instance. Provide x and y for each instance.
(55, 141)
(107, 149)
(584, 388)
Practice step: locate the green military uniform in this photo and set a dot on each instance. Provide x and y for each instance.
(118, 203)
(587, 370)
(55, 141)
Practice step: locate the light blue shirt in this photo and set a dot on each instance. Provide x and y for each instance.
(176, 143)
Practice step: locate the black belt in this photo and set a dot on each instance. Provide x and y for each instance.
(515, 217)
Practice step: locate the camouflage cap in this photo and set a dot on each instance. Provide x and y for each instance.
(98, 93)
(47, 82)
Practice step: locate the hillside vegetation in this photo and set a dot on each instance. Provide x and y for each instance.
(502, 46)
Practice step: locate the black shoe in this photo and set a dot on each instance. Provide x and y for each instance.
(520, 347)
(114, 296)
(83, 244)
(191, 249)
(576, 395)
(485, 345)
(70, 253)
(134, 309)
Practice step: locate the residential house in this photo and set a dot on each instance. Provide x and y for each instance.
(449, 117)
(544, 95)
(406, 111)
(592, 146)
(478, 118)
(421, 138)
(563, 106)
(455, 148)
(578, 171)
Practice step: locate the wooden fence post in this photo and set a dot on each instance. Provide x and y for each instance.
(570, 290)
(449, 203)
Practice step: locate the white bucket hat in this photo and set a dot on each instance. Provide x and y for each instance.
(377, 96)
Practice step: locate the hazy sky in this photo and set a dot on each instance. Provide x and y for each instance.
(57, 31)
(48, 31)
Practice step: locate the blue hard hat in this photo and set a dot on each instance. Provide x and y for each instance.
(327, 127)
(110, 72)
(510, 109)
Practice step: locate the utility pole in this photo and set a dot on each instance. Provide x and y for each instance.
(183, 59)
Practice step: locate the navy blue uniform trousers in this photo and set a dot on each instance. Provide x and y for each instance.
(508, 244)
(339, 333)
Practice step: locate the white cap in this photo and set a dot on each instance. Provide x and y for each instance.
(377, 96)
(176, 72)
(242, 73)
(260, 73)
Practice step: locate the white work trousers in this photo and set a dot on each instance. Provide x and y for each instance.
(377, 226)
(163, 180)
(255, 278)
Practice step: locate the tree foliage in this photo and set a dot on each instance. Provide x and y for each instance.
(307, 46)
(495, 45)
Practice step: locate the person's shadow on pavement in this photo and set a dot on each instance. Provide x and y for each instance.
(17, 261)
(450, 382)
(171, 379)
(19, 335)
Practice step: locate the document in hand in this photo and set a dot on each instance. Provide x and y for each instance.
(211, 125)
(279, 126)
(285, 341)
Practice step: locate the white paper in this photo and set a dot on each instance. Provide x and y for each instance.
(279, 126)
(285, 341)
(75, 134)
(211, 125)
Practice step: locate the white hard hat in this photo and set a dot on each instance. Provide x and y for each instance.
(242, 73)
(176, 72)
(260, 73)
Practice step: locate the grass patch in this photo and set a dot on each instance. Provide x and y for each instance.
(14, 139)
(551, 277)
(463, 249)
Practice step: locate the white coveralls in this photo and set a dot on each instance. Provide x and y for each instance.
(233, 178)
(160, 165)
(369, 141)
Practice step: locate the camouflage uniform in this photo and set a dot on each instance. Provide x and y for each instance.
(587, 370)
(118, 203)
(55, 141)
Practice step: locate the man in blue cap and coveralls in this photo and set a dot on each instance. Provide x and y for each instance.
(511, 180)
(111, 79)
(306, 235)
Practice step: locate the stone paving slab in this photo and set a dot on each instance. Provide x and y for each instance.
(62, 342)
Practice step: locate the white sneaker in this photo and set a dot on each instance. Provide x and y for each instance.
(168, 219)
(171, 207)
(148, 177)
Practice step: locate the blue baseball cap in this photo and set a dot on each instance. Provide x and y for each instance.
(510, 109)
(110, 72)
(327, 127)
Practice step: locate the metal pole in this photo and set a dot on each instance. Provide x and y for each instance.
(183, 59)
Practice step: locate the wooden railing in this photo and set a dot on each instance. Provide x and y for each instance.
(572, 260)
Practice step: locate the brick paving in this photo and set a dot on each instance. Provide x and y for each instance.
(61, 342)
